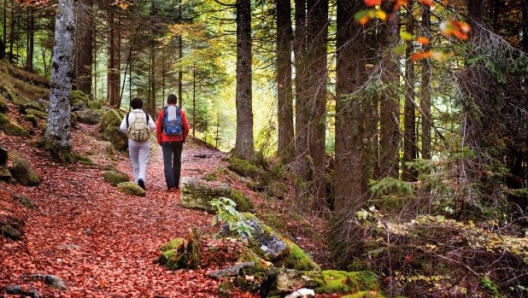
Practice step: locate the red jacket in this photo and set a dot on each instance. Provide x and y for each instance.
(162, 137)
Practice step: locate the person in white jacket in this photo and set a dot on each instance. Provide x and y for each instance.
(139, 151)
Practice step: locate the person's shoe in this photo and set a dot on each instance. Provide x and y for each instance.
(141, 183)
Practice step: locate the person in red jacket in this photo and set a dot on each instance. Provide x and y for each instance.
(171, 144)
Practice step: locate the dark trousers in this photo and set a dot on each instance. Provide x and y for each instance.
(172, 152)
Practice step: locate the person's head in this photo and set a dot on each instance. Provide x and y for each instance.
(136, 103)
(172, 99)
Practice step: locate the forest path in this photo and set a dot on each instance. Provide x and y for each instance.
(101, 242)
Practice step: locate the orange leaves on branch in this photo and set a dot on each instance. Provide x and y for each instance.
(457, 28)
(423, 40)
(426, 2)
(364, 16)
(371, 3)
(400, 3)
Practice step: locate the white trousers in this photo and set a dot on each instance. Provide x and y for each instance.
(139, 153)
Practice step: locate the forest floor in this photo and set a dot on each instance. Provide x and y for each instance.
(103, 243)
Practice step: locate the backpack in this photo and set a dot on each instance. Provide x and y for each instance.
(138, 130)
(173, 127)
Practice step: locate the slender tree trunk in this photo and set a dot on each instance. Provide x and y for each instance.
(30, 34)
(114, 63)
(57, 135)
(409, 113)
(284, 81)
(12, 28)
(302, 96)
(244, 146)
(318, 34)
(524, 5)
(425, 102)
(388, 160)
(84, 46)
(3, 42)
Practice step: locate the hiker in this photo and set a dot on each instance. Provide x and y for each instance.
(172, 129)
(138, 125)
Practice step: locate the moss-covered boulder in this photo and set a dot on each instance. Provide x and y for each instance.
(88, 116)
(4, 109)
(197, 194)
(131, 188)
(114, 177)
(109, 129)
(22, 171)
(245, 168)
(78, 100)
(11, 128)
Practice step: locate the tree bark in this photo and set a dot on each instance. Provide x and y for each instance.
(84, 46)
(57, 135)
(425, 92)
(409, 126)
(350, 182)
(114, 61)
(388, 159)
(244, 146)
(284, 81)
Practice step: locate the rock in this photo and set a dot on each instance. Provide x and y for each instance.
(114, 177)
(22, 171)
(131, 188)
(88, 116)
(197, 194)
(109, 129)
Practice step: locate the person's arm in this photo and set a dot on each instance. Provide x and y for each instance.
(123, 127)
(185, 124)
(159, 126)
(151, 123)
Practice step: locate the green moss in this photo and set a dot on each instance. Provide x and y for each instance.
(245, 168)
(172, 244)
(114, 177)
(298, 259)
(11, 128)
(131, 188)
(23, 172)
(335, 281)
(243, 204)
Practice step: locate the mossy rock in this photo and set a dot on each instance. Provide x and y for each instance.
(78, 100)
(22, 171)
(245, 168)
(336, 281)
(25, 201)
(131, 188)
(11, 128)
(114, 177)
(182, 253)
(4, 109)
(197, 194)
(109, 129)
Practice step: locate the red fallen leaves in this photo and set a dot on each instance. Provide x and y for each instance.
(102, 243)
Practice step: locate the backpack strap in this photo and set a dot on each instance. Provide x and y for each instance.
(127, 119)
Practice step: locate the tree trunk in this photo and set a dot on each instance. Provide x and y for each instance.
(388, 159)
(57, 136)
(84, 46)
(30, 43)
(302, 96)
(244, 146)
(409, 126)
(425, 92)
(350, 183)
(114, 77)
(318, 34)
(284, 81)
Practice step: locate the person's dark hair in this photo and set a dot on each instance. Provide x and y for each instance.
(136, 103)
(172, 99)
